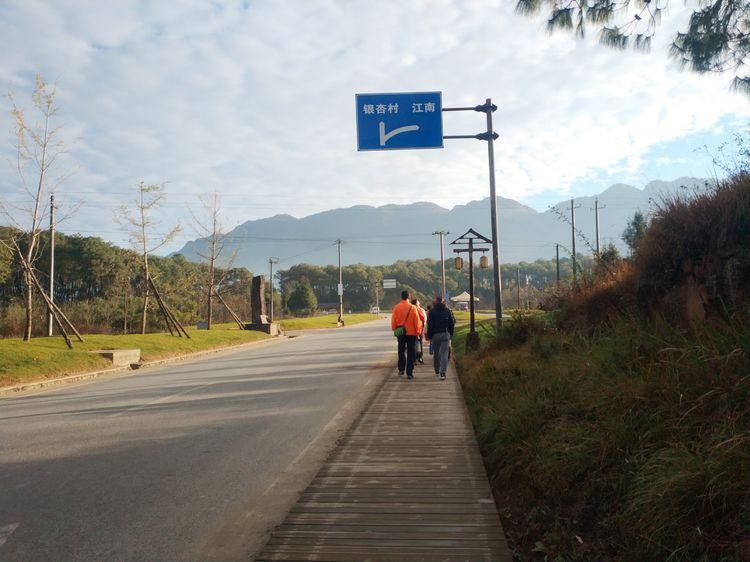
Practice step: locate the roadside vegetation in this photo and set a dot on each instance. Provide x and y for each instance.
(98, 287)
(618, 426)
(47, 358)
(421, 278)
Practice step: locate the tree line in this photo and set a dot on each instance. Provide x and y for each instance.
(98, 285)
(306, 288)
(422, 278)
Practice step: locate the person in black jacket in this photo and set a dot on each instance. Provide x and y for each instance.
(440, 325)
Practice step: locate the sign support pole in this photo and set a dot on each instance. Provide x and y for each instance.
(493, 213)
(381, 126)
(490, 135)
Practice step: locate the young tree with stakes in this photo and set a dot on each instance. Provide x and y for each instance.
(214, 234)
(38, 151)
(139, 222)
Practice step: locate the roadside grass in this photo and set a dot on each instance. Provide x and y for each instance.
(518, 323)
(630, 441)
(44, 358)
(326, 321)
(485, 327)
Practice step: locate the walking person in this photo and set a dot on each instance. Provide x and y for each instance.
(440, 325)
(405, 326)
(422, 327)
(426, 315)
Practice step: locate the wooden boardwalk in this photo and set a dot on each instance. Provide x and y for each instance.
(406, 483)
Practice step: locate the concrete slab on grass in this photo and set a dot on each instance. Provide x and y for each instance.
(120, 356)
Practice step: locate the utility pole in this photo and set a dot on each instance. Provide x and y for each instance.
(50, 318)
(596, 214)
(340, 289)
(573, 238)
(528, 300)
(442, 233)
(557, 262)
(518, 287)
(271, 261)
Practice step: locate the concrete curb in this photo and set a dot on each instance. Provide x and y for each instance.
(6, 391)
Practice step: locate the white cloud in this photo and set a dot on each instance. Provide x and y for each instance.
(259, 102)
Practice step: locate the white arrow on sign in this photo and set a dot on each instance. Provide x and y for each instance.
(385, 138)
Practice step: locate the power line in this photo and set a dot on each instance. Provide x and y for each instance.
(287, 258)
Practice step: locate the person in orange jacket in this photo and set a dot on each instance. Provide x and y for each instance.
(407, 316)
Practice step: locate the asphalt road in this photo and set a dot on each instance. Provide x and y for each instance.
(191, 461)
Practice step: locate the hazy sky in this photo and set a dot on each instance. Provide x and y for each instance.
(255, 99)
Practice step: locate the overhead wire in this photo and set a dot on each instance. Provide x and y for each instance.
(314, 250)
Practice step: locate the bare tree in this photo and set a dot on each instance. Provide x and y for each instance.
(139, 223)
(38, 149)
(213, 232)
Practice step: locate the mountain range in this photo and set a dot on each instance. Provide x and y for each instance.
(383, 235)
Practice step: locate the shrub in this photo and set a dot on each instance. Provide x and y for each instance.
(302, 300)
(691, 235)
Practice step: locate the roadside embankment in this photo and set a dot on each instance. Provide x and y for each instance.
(631, 443)
(621, 430)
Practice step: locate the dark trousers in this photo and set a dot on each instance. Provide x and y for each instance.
(406, 349)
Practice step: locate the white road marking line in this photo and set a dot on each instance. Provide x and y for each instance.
(6, 532)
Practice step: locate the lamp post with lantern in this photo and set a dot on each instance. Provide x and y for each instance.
(467, 241)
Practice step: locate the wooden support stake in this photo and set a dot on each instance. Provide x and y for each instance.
(167, 318)
(162, 306)
(52, 308)
(231, 312)
(179, 327)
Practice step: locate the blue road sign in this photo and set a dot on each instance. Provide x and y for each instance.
(399, 121)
